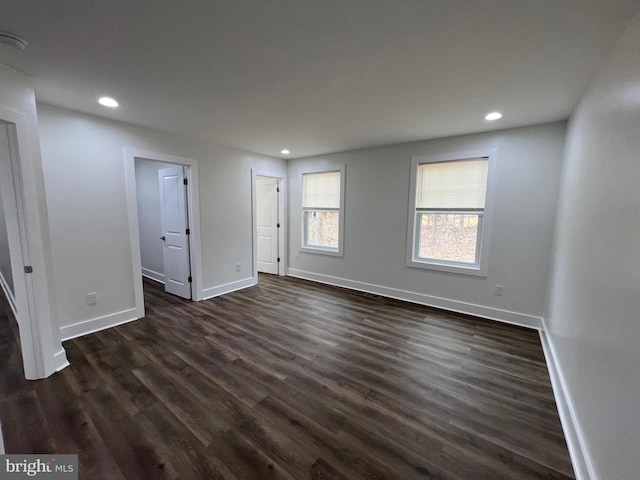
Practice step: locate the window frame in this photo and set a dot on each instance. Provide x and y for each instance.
(484, 221)
(339, 252)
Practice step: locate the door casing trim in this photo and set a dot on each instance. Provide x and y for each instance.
(193, 213)
(282, 231)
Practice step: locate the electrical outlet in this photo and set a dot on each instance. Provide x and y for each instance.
(499, 290)
(91, 298)
(297, 258)
(239, 267)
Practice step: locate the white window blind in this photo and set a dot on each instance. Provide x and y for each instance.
(321, 190)
(452, 185)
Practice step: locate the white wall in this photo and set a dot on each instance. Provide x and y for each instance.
(85, 184)
(45, 355)
(5, 256)
(148, 193)
(593, 317)
(377, 191)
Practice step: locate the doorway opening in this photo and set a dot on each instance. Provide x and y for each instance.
(164, 223)
(23, 277)
(13, 247)
(268, 224)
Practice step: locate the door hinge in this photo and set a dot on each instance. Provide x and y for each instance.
(278, 189)
(185, 181)
(188, 231)
(28, 269)
(190, 279)
(277, 225)
(278, 259)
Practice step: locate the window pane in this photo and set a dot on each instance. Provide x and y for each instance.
(321, 228)
(451, 237)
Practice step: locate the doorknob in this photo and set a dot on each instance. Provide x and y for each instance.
(163, 238)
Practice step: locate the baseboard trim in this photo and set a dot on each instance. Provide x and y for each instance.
(490, 313)
(1, 441)
(100, 323)
(208, 293)
(7, 293)
(60, 360)
(153, 275)
(582, 465)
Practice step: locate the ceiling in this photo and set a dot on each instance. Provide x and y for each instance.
(315, 76)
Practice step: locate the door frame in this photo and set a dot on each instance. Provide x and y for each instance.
(33, 307)
(14, 222)
(281, 216)
(193, 215)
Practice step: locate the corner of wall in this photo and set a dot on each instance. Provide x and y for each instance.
(580, 459)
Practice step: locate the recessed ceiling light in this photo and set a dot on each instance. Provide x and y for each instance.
(108, 102)
(493, 116)
(285, 152)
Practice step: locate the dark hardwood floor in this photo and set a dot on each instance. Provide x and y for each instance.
(290, 379)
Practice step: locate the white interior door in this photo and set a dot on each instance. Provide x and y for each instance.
(173, 218)
(267, 223)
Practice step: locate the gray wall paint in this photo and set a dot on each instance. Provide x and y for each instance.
(83, 162)
(148, 193)
(377, 191)
(5, 257)
(593, 318)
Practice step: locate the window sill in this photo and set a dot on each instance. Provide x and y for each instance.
(321, 251)
(472, 270)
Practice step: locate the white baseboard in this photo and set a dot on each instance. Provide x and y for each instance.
(93, 325)
(208, 293)
(582, 465)
(9, 294)
(153, 275)
(490, 313)
(60, 360)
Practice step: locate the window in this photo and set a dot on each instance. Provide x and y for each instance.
(449, 217)
(323, 211)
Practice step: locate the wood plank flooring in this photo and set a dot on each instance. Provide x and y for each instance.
(291, 380)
